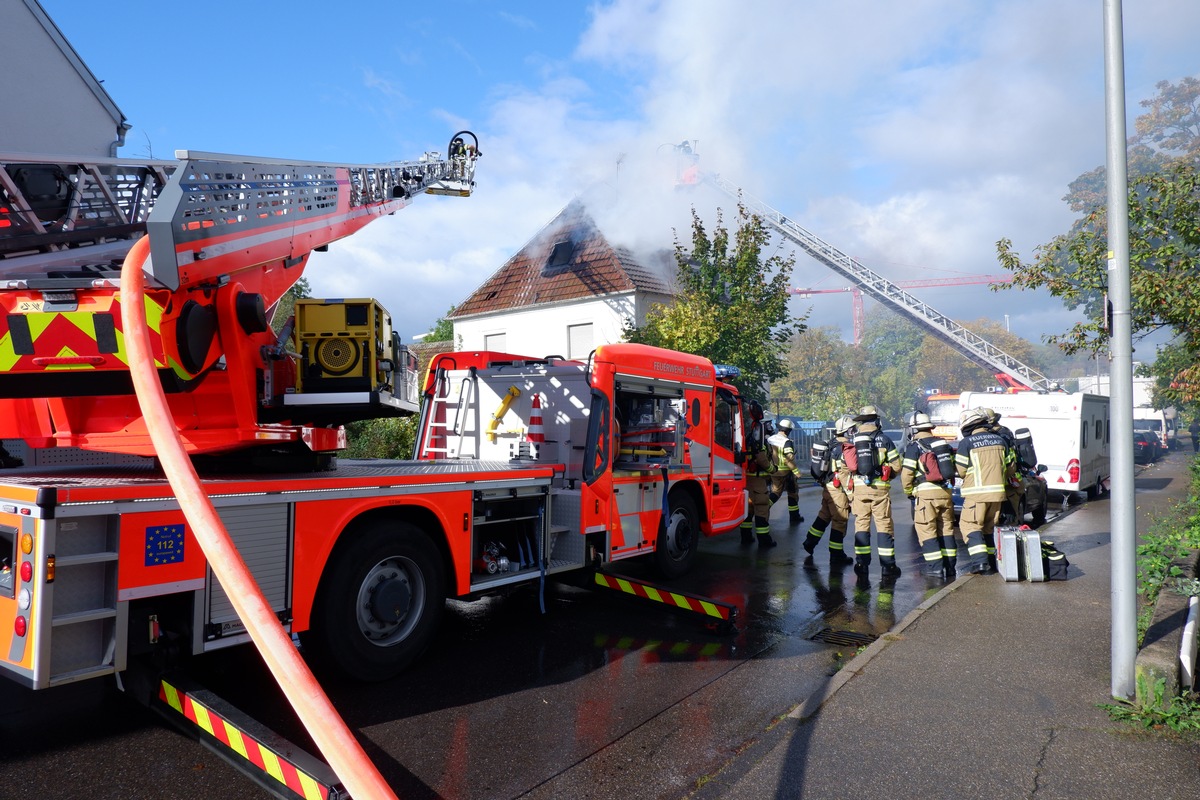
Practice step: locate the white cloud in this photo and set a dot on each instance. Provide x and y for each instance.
(910, 135)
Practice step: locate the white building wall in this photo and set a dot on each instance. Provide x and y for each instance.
(543, 330)
(46, 105)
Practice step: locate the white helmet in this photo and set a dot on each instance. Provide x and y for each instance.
(921, 422)
(972, 418)
(784, 425)
(844, 423)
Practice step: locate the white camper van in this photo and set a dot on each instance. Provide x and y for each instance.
(1070, 433)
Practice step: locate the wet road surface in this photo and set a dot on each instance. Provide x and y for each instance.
(602, 696)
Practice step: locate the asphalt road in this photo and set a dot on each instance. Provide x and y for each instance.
(603, 695)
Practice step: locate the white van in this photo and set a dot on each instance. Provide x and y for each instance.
(1159, 420)
(1070, 433)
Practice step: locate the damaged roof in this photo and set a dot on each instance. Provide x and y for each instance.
(569, 259)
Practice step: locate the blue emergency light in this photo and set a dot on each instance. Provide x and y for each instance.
(724, 371)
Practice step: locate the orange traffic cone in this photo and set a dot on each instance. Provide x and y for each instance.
(537, 434)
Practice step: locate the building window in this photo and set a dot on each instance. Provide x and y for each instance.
(579, 341)
(494, 342)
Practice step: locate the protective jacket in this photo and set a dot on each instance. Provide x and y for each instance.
(984, 463)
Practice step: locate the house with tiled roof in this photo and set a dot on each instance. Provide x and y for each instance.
(566, 292)
(52, 102)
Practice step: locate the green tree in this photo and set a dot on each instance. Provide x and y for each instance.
(443, 329)
(391, 437)
(732, 305)
(817, 385)
(1164, 244)
(283, 309)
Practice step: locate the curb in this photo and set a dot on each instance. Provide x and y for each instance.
(856, 665)
(1161, 654)
(720, 782)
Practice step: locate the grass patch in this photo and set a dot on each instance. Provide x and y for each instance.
(1170, 536)
(1178, 714)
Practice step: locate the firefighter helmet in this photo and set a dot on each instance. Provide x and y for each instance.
(991, 416)
(844, 424)
(971, 418)
(921, 422)
(866, 413)
(784, 425)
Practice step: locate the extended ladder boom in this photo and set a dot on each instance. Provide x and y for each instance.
(228, 236)
(1008, 370)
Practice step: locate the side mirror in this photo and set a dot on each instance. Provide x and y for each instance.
(1042, 468)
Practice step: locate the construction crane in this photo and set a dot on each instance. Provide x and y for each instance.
(1010, 372)
(857, 295)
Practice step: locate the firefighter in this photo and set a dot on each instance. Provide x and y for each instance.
(1013, 490)
(829, 470)
(784, 472)
(985, 464)
(758, 475)
(876, 462)
(933, 504)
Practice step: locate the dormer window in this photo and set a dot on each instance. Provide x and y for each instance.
(560, 257)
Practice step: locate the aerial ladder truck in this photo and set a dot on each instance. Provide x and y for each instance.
(638, 453)
(1009, 371)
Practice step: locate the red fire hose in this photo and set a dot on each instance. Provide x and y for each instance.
(335, 741)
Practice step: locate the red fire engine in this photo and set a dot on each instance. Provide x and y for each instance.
(98, 566)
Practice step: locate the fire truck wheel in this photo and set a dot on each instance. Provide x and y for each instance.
(676, 551)
(380, 602)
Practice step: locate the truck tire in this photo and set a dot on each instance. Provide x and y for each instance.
(380, 602)
(675, 551)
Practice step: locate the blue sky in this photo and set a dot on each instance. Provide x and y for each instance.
(910, 135)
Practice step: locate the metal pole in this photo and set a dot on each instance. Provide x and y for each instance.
(1121, 509)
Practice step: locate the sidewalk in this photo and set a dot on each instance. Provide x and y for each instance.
(988, 689)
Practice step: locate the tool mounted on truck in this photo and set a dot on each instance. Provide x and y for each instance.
(229, 236)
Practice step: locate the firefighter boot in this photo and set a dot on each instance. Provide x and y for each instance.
(815, 534)
(837, 554)
(795, 517)
(762, 532)
(950, 567)
(889, 569)
(862, 565)
(748, 530)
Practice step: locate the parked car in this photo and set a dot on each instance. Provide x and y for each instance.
(1034, 501)
(1146, 448)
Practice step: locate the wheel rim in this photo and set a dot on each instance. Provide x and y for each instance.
(390, 601)
(680, 536)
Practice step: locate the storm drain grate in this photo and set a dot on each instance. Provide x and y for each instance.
(844, 638)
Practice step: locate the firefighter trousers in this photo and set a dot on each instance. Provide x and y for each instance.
(933, 519)
(873, 503)
(757, 523)
(834, 515)
(785, 483)
(977, 521)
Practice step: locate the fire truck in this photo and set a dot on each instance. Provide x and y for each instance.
(525, 468)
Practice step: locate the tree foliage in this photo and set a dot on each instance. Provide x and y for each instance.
(1164, 245)
(732, 304)
(392, 437)
(283, 308)
(443, 329)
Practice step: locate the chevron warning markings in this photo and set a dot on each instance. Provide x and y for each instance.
(688, 602)
(278, 766)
